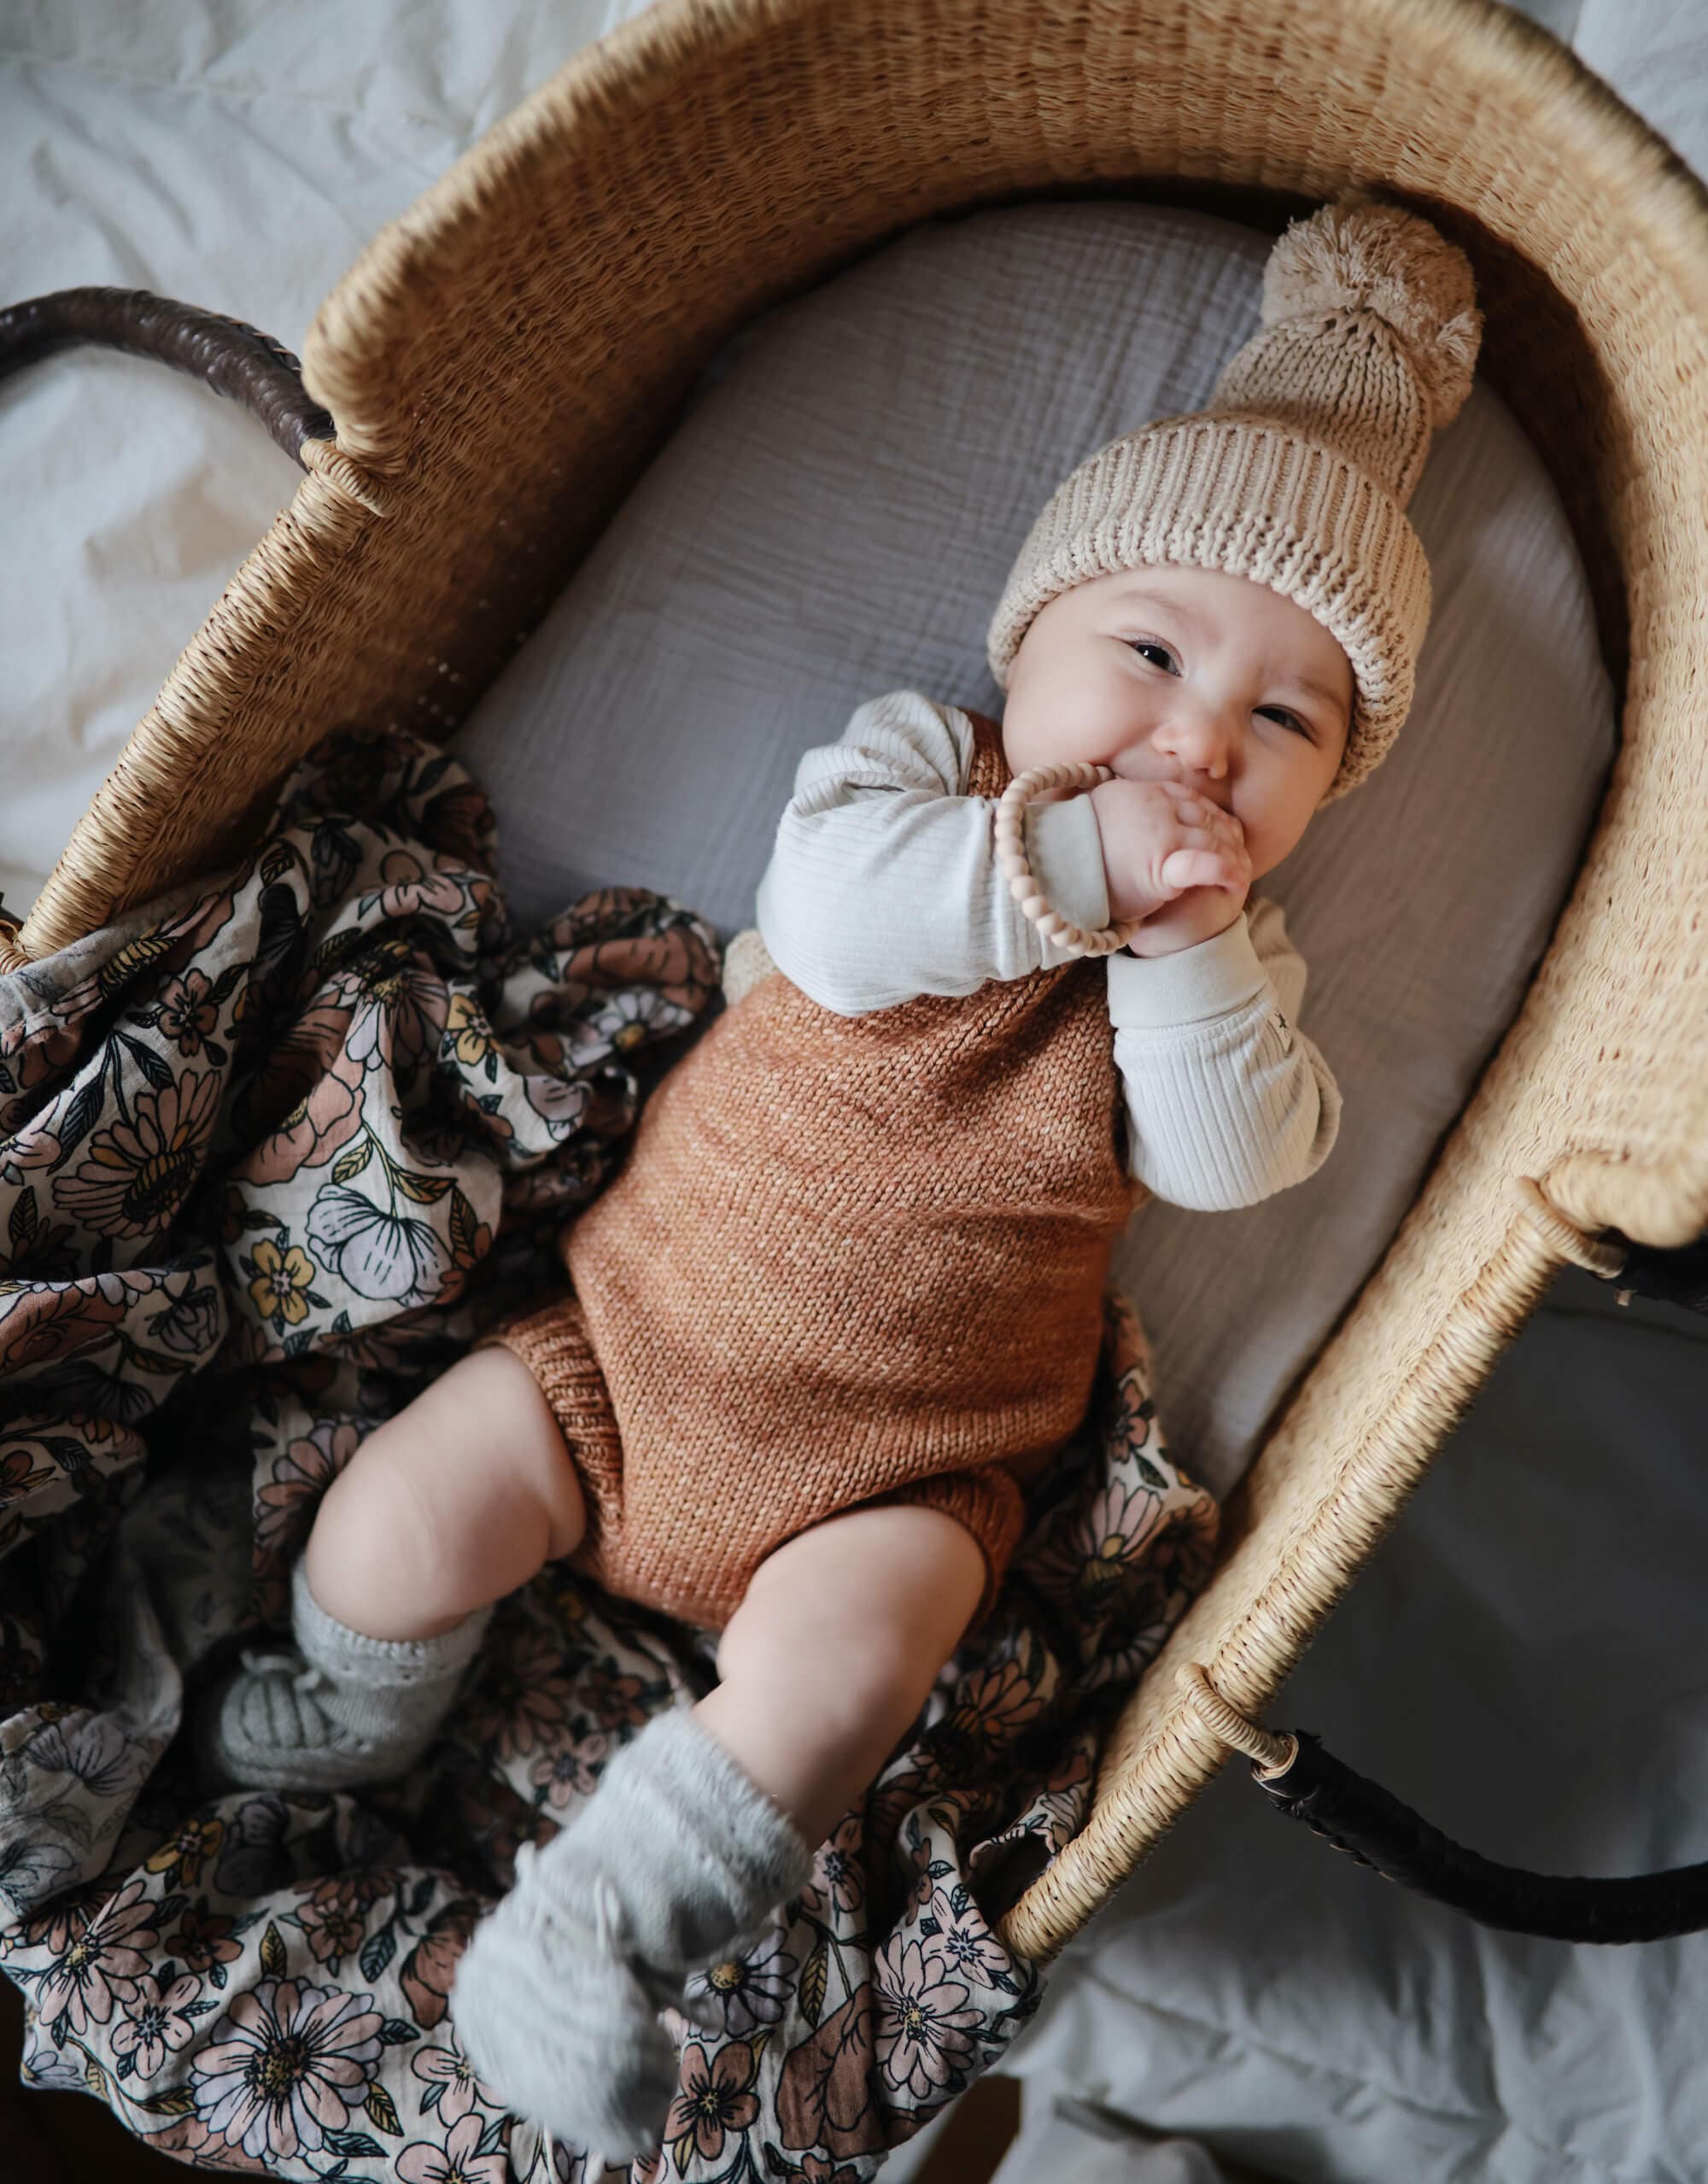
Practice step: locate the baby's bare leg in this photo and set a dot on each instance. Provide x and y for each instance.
(834, 1649)
(449, 1506)
(707, 1820)
(440, 1512)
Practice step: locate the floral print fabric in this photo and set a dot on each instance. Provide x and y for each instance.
(273, 1153)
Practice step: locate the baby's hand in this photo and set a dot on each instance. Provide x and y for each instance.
(1162, 840)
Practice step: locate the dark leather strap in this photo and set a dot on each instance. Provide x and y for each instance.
(1679, 1277)
(233, 359)
(1361, 1817)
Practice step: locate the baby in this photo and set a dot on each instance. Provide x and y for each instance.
(844, 1300)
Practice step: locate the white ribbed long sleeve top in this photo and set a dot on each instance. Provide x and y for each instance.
(884, 885)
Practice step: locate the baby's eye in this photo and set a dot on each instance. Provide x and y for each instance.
(1288, 720)
(1149, 645)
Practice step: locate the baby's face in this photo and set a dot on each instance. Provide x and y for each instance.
(1187, 675)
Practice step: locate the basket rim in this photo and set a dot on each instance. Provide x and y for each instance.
(637, 64)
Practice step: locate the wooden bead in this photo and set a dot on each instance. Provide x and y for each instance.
(1012, 860)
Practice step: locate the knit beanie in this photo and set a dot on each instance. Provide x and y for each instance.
(1297, 474)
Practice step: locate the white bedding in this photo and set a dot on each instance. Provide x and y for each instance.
(1521, 1659)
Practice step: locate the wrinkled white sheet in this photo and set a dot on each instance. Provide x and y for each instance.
(1523, 1658)
(1523, 1662)
(233, 153)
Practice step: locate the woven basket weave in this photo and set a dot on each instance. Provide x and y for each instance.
(501, 362)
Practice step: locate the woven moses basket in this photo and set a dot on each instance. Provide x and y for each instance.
(502, 362)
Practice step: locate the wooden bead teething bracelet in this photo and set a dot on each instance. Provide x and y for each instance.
(1072, 940)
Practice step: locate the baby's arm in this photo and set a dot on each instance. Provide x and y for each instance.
(884, 884)
(1228, 1100)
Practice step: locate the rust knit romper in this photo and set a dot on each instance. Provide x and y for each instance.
(848, 1259)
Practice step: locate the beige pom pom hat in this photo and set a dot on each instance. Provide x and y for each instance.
(1297, 474)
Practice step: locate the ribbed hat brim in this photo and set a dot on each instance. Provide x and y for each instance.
(1247, 496)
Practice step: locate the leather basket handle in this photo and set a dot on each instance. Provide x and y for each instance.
(1358, 1816)
(234, 359)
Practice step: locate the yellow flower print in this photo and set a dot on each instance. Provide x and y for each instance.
(468, 1030)
(181, 1857)
(282, 1287)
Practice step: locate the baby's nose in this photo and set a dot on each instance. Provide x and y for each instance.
(1197, 739)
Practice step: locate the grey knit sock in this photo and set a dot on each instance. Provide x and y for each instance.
(676, 1856)
(339, 1708)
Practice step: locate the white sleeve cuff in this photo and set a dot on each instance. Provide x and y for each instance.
(1151, 992)
(1065, 851)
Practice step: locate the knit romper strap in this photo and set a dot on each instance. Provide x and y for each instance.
(989, 774)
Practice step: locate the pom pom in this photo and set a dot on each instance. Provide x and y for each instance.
(1360, 254)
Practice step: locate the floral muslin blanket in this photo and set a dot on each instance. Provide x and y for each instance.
(272, 1153)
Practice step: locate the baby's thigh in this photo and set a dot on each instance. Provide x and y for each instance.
(881, 1596)
(474, 1469)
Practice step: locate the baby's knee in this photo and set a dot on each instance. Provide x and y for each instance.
(470, 1485)
(868, 1614)
(380, 1518)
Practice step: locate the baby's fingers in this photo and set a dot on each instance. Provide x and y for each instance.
(1203, 868)
(1199, 811)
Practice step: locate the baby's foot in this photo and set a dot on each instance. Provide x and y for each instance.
(553, 2006)
(273, 1725)
(336, 1709)
(676, 1853)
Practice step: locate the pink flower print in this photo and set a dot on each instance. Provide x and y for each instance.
(155, 2025)
(714, 2098)
(334, 1927)
(457, 2162)
(991, 1706)
(524, 1697)
(924, 2024)
(300, 1477)
(102, 1963)
(964, 1942)
(205, 1943)
(453, 2088)
(816, 2169)
(135, 1176)
(401, 1015)
(41, 1321)
(34, 1050)
(614, 1701)
(54, 1927)
(409, 888)
(838, 1879)
(325, 1114)
(188, 1012)
(1090, 1562)
(289, 2065)
(571, 1771)
(741, 1993)
(192, 1319)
